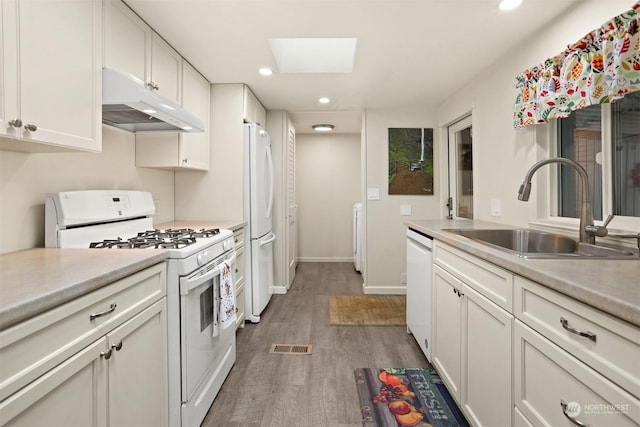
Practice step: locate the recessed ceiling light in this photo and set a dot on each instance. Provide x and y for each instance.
(509, 4)
(265, 71)
(324, 100)
(322, 128)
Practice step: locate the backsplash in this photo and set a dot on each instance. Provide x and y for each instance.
(26, 178)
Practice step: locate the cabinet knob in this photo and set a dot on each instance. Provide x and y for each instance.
(31, 127)
(153, 86)
(117, 347)
(185, 161)
(106, 354)
(15, 123)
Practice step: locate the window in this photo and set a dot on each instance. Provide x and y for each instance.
(605, 140)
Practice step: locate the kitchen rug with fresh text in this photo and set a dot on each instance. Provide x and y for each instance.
(404, 397)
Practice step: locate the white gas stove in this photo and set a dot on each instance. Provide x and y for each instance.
(201, 341)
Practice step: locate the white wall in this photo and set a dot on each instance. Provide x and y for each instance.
(501, 155)
(26, 178)
(385, 251)
(327, 187)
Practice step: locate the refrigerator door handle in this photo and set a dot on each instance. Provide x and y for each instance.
(271, 183)
(269, 240)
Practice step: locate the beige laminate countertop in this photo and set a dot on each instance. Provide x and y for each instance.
(612, 286)
(35, 280)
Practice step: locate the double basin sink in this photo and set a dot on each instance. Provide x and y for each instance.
(527, 243)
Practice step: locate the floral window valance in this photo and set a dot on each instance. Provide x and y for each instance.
(601, 67)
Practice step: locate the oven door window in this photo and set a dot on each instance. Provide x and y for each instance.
(207, 300)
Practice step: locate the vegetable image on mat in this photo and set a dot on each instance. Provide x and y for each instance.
(403, 397)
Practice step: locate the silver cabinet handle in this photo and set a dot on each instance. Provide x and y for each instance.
(153, 86)
(565, 324)
(111, 309)
(117, 347)
(106, 354)
(15, 123)
(31, 127)
(564, 407)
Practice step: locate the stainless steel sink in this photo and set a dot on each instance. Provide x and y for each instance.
(527, 243)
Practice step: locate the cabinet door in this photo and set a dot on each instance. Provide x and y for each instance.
(8, 69)
(447, 329)
(487, 368)
(127, 41)
(60, 68)
(196, 95)
(72, 395)
(166, 69)
(138, 393)
(553, 388)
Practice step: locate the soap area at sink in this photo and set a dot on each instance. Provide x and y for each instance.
(528, 243)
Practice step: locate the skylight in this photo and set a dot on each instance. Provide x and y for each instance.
(314, 55)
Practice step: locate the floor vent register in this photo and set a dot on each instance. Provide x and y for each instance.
(290, 348)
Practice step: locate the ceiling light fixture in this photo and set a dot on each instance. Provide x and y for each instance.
(324, 100)
(265, 71)
(322, 128)
(509, 4)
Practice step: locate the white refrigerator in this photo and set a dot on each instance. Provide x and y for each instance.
(258, 213)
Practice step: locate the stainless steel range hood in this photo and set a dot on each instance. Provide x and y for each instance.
(128, 105)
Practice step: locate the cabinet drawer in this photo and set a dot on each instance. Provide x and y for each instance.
(546, 375)
(240, 265)
(493, 282)
(240, 304)
(614, 346)
(35, 346)
(238, 237)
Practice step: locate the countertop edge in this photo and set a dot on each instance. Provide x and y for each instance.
(612, 304)
(13, 314)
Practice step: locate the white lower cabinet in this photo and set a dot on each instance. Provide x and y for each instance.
(238, 236)
(118, 378)
(472, 350)
(553, 388)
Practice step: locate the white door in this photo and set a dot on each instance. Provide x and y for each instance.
(261, 179)
(291, 203)
(460, 202)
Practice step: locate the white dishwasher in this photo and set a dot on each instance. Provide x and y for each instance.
(419, 270)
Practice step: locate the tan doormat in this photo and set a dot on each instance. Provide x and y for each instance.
(387, 310)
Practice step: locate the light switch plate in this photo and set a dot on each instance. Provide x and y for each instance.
(495, 207)
(373, 194)
(405, 210)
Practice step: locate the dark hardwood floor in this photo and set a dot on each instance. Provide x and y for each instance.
(266, 389)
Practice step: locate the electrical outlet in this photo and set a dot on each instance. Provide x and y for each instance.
(403, 278)
(373, 194)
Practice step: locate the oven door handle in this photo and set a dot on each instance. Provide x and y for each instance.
(187, 285)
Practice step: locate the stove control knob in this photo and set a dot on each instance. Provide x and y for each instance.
(204, 258)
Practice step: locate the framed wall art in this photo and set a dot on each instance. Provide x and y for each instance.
(411, 161)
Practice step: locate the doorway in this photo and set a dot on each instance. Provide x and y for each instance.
(460, 151)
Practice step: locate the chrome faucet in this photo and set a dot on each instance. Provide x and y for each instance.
(588, 231)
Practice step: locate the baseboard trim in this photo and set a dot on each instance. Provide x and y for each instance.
(278, 290)
(384, 290)
(327, 259)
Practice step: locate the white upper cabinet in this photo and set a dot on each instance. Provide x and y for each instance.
(50, 75)
(181, 150)
(166, 69)
(131, 46)
(254, 112)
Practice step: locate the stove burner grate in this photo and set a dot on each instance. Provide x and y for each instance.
(160, 239)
